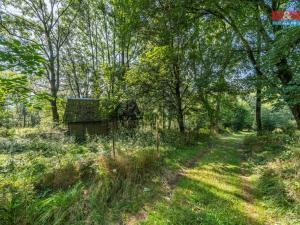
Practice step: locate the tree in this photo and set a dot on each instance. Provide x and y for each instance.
(46, 24)
(212, 59)
(19, 64)
(232, 15)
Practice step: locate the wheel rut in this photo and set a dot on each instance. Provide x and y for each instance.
(170, 184)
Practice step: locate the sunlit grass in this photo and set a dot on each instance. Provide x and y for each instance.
(211, 193)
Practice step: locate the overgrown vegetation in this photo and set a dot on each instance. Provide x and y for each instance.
(244, 179)
(49, 179)
(275, 163)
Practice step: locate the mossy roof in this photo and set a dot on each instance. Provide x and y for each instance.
(82, 110)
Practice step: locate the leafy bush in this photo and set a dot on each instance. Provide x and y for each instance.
(277, 119)
(5, 132)
(179, 140)
(59, 179)
(270, 141)
(239, 117)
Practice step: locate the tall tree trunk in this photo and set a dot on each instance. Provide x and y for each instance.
(163, 115)
(258, 111)
(296, 112)
(258, 81)
(24, 113)
(180, 120)
(180, 116)
(169, 123)
(55, 115)
(53, 101)
(216, 124)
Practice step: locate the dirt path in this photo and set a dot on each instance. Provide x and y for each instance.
(247, 189)
(170, 183)
(212, 189)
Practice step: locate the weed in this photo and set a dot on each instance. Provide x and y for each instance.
(48, 178)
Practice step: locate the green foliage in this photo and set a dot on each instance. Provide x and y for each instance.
(188, 66)
(47, 179)
(281, 119)
(239, 117)
(13, 87)
(179, 140)
(274, 159)
(21, 57)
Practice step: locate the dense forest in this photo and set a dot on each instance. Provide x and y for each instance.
(149, 112)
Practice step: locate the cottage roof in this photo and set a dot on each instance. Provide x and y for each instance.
(82, 110)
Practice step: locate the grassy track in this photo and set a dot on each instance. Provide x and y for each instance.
(215, 191)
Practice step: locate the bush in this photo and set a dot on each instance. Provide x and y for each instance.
(277, 119)
(269, 141)
(59, 179)
(5, 132)
(179, 140)
(238, 117)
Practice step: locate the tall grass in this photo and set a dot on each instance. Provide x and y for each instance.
(275, 159)
(48, 178)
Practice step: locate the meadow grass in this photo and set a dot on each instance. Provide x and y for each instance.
(226, 187)
(275, 163)
(47, 178)
(209, 193)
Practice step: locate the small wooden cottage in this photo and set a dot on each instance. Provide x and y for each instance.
(82, 116)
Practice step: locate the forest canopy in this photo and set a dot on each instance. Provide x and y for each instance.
(186, 62)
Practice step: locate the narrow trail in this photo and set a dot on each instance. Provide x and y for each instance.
(171, 181)
(212, 189)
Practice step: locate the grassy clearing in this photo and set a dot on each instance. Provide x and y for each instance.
(227, 187)
(211, 193)
(49, 179)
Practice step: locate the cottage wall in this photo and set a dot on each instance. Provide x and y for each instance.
(84, 118)
(80, 129)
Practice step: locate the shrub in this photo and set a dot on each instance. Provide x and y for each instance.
(269, 141)
(179, 140)
(5, 132)
(238, 117)
(277, 119)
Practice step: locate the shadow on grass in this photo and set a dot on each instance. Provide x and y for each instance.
(270, 186)
(210, 194)
(200, 203)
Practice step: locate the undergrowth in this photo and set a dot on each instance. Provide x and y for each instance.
(275, 163)
(48, 178)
